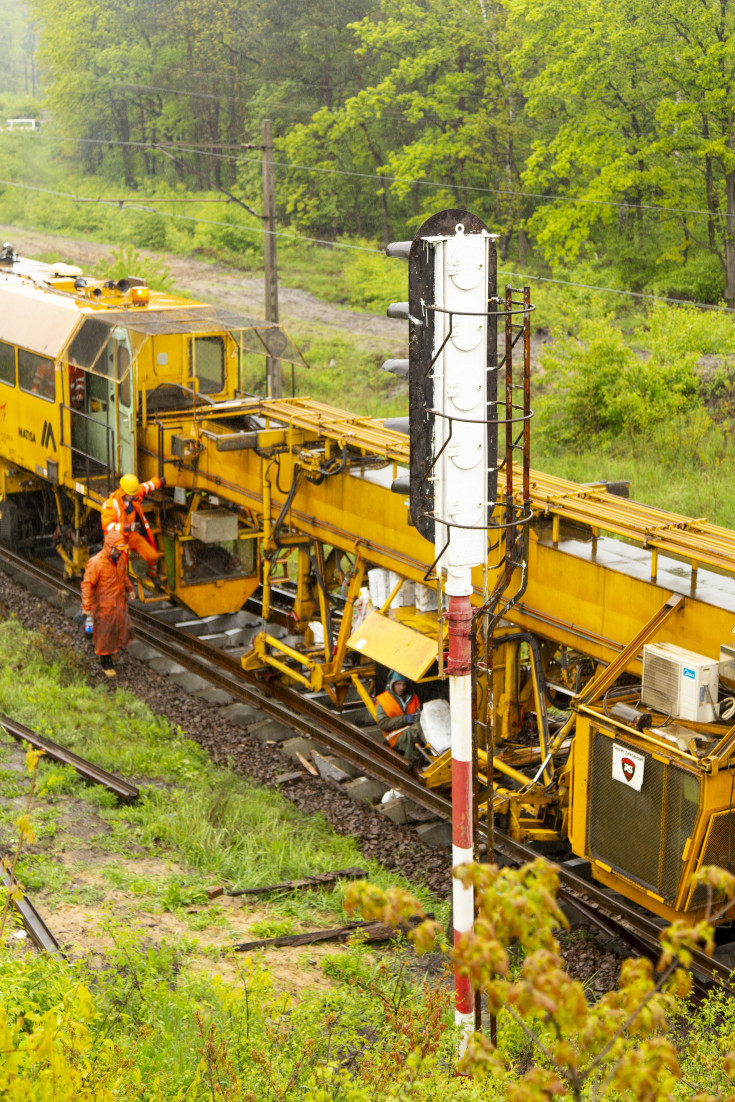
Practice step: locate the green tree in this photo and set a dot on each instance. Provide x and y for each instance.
(697, 114)
(634, 106)
(439, 102)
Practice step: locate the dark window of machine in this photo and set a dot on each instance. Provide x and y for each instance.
(207, 360)
(87, 347)
(7, 363)
(36, 374)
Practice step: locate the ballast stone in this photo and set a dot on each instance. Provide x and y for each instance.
(435, 834)
(365, 790)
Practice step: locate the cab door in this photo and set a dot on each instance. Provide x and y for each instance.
(121, 400)
(101, 401)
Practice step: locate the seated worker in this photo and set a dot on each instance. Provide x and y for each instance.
(398, 715)
(122, 511)
(44, 378)
(106, 590)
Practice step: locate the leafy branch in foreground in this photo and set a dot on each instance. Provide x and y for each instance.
(619, 1044)
(25, 834)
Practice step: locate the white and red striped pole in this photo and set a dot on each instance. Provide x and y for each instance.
(459, 617)
(462, 471)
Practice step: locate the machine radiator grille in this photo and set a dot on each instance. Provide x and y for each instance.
(718, 849)
(641, 834)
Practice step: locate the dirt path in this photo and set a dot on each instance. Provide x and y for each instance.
(220, 285)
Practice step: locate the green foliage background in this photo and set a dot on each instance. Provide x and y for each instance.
(597, 141)
(601, 134)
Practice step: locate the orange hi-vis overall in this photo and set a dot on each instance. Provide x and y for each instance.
(105, 589)
(115, 519)
(393, 709)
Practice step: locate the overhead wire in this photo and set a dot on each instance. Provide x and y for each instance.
(619, 291)
(190, 218)
(356, 248)
(617, 204)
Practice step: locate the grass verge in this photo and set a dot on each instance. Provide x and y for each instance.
(152, 1003)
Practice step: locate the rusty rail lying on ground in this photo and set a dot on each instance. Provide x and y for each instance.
(321, 880)
(369, 931)
(94, 773)
(37, 929)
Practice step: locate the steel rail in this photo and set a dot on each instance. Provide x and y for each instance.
(37, 929)
(630, 921)
(290, 708)
(87, 769)
(345, 739)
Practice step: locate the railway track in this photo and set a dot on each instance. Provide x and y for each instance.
(611, 914)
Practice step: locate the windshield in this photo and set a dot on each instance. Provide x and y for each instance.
(101, 348)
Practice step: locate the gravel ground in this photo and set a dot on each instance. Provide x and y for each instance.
(395, 847)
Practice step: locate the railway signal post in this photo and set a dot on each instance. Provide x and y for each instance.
(453, 475)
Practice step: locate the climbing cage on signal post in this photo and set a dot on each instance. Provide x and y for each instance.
(507, 553)
(469, 416)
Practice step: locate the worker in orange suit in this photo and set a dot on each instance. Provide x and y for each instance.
(398, 717)
(44, 379)
(122, 513)
(106, 590)
(77, 386)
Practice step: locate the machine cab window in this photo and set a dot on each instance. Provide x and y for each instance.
(7, 363)
(36, 374)
(207, 363)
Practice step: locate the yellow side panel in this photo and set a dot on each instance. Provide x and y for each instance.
(394, 645)
(576, 599)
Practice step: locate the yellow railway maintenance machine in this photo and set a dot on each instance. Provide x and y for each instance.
(605, 720)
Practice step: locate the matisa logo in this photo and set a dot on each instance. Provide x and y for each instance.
(26, 434)
(47, 438)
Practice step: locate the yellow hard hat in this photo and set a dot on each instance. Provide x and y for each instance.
(129, 484)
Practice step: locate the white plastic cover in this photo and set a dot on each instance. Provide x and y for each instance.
(436, 725)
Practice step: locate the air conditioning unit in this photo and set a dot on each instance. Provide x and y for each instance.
(679, 681)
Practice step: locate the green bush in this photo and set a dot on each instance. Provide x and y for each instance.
(371, 281)
(146, 230)
(237, 235)
(680, 332)
(701, 279)
(128, 261)
(602, 388)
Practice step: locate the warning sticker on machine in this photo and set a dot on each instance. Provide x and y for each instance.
(627, 766)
